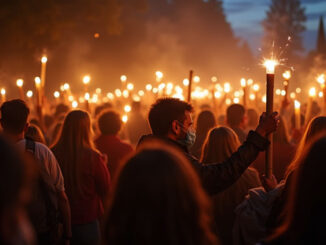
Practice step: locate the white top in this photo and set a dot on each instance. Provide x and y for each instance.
(49, 167)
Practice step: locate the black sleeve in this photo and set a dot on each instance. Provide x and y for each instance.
(218, 177)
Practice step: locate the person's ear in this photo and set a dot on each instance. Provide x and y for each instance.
(175, 127)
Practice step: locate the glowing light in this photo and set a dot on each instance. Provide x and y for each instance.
(270, 66)
(236, 100)
(87, 96)
(159, 76)
(185, 82)
(135, 97)
(256, 87)
(228, 101)
(155, 90)
(127, 108)
(297, 104)
(86, 79)
(3, 91)
(118, 92)
(321, 79)
(227, 87)
(263, 99)
(20, 83)
(320, 94)
(123, 78)
(298, 90)
(283, 92)
(125, 93)
(71, 98)
(252, 97)
(236, 94)
(287, 75)
(130, 86)
(169, 86)
(250, 82)
(292, 95)
(98, 91)
(66, 86)
(149, 87)
(196, 79)
(125, 118)
(141, 93)
(312, 92)
(278, 92)
(29, 94)
(37, 81)
(56, 94)
(243, 82)
(44, 59)
(96, 35)
(217, 94)
(74, 104)
(161, 86)
(214, 79)
(110, 96)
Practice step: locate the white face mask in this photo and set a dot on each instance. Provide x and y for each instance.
(190, 138)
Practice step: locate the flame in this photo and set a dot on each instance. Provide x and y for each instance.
(287, 75)
(270, 65)
(20, 83)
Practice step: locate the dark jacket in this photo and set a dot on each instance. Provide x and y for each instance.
(218, 177)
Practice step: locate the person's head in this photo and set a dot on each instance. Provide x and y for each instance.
(253, 118)
(170, 117)
(61, 109)
(157, 198)
(14, 115)
(305, 209)
(235, 115)
(219, 145)
(35, 133)
(281, 134)
(316, 127)
(102, 107)
(205, 121)
(109, 122)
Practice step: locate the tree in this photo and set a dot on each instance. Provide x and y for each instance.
(285, 18)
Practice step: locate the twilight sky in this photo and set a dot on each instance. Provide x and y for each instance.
(245, 17)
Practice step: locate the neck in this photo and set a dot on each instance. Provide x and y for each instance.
(13, 137)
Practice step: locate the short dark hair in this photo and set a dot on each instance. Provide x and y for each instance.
(14, 114)
(235, 114)
(109, 122)
(164, 112)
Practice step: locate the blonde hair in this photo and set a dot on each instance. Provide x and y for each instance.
(219, 145)
(316, 127)
(75, 137)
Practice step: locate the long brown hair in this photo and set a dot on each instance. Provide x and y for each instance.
(158, 199)
(219, 145)
(305, 209)
(316, 127)
(69, 149)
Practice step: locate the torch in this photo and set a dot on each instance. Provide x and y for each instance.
(312, 96)
(321, 80)
(191, 73)
(297, 114)
(270, 74)
(243, 83)
(3, 95)
(123, 80)
(20, 84)
(286, 76)
(86, 81)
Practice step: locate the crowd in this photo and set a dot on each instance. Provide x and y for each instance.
(179, 176)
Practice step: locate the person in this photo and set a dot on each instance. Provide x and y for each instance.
(15, 185)
(35, 133)
(136, 125)
(305, 215)
(109, 143)
(157, 199)
(219, 145)
(170, 120)
(283, 153)
(205, 121)
(235, 119)
(14, 115)
(86, 175)
(253, 120)
(315, 128)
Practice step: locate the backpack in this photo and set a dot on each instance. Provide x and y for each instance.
(42, 210)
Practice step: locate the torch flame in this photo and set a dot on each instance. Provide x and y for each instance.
(287, 75)
(270, 66)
